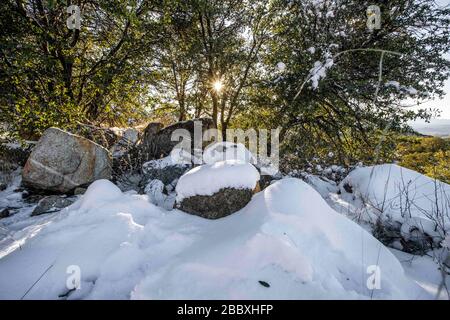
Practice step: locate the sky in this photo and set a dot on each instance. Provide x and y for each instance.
(443, 104)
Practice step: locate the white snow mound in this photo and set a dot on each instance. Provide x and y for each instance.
(210, 178)
(125, 247)
(401, 194)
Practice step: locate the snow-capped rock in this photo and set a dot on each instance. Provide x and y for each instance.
(216, 190)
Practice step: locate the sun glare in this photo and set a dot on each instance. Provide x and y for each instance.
(218, 85)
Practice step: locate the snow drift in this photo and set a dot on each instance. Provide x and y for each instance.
(404, 196)
(125, 247)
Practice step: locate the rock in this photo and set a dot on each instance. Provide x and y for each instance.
(218, 205)
(130, 181)
(216, 190)
(156, 143)
(164, 170)
(159, 143)
(4, 213)
(149, 134)
(61, 161)
(51, 204)
(79, 191)
(347, 187)
(12, 156)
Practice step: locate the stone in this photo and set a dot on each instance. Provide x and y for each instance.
(159, 143)
(62, 161)
(4, 213)
(79, 191)
(162, 170)
(51, 204)
(222, 203)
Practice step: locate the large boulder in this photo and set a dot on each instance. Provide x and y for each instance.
(216, 190)
(158, 142)
(61, 161)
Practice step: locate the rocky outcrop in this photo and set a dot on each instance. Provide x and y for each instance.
(61, 161)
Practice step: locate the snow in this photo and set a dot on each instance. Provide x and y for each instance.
(394, 84)
(226, 150)
(159, 163)
(125, 247)
(281, 66)
(156, 195)
(319, 71)
(446, 242)
(401, 194)
(210, 178)
(410, 90)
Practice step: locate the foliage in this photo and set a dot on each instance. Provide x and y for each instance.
(53, 76)
(311, 68)
(427, 155)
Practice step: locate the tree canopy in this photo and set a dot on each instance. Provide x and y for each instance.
(313, 68)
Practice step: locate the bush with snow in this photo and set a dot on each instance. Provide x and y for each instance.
(125, 247)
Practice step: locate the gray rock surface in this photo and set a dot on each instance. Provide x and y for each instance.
(61, 161)
(50, 204)
(157, 169)
(223, 203)
(159, 143)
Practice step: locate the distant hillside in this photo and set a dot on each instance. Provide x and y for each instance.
(437, 127)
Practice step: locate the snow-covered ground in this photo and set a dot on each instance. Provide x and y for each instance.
(287, 243)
